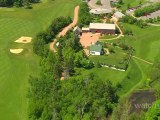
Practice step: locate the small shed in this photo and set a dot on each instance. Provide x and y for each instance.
(77, 31)
(96, 49)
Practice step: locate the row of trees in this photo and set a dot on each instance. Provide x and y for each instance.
(152, 20)
(129, 19)
(43, 38)
(147, 10)
(17, 3)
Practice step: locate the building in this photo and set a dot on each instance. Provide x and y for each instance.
(77, 31)
(118, 15)
(99, 11)
(96, 49)
(102, 28)
(85, 30)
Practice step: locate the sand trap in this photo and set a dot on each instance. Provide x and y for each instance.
(16, 51)
(24, 39)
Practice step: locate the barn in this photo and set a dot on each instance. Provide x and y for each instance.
(102, 28)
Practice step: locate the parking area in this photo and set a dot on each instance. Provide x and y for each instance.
(151, 15)
(87, 39)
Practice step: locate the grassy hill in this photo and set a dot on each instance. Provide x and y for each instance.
(15, 69)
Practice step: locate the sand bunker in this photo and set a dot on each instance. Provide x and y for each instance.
(24, 39)
(16, 51)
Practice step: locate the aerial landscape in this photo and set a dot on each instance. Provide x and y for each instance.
(80, 59)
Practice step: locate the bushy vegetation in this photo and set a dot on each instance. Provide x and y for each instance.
(98, 2)
(47, 36)
(147, 10)
(84, 15)
(153, 20)
(154, 112)
(131, 20)
(86, 98)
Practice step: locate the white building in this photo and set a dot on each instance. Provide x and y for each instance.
(96, 49)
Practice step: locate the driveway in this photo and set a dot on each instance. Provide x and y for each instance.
(89, 38)
(152, 15)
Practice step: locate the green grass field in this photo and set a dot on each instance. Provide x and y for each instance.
(114, 59)
(15, 69)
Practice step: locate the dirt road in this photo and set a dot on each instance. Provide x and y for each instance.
(66, 29)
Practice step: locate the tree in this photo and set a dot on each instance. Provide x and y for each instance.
(120, 1)
(68, 57)
(90, 98)
(128, 5)
(57, 70)
(84, 15)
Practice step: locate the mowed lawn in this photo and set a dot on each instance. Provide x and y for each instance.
(15, 69)
(146, 43)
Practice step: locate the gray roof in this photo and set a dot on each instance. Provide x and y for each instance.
(77, 28)
(96, 47)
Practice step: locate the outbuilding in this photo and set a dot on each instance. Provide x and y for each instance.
(77, 31)
(96, 49)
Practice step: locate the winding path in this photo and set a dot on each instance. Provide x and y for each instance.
(142, 60)
(115, 20)
(66, 29)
